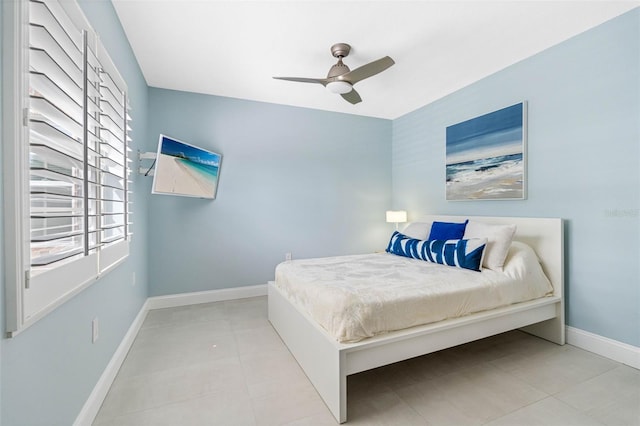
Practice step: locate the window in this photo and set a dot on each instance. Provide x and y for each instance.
(66, 158)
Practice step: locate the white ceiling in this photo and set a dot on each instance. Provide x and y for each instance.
(233, 48)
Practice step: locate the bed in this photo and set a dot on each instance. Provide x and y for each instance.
(327, 361)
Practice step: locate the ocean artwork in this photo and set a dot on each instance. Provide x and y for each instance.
(485, 156)
(186, 170)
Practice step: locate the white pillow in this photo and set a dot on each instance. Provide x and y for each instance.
(498, 237)
(523, 265)
(417, 230)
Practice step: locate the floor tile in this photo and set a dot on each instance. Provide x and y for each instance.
(291, 380)
(287, 406)
(247, 313)
(382, 408)
(225, 408)
(264, 339)
(471, 396)
(142, 392)
(612, 397)
(186, 315)
(223, 364)
(548, 412)
(317, 419)
(260, 367)
(178, 352)
(555, 371)
(435, 408)
(623, 412)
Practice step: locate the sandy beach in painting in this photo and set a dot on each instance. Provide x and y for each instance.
(182, 179)
(487, 178)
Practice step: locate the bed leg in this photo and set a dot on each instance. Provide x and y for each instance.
(342, 414)
(552, 330)
(331, 386)
(319, 358)
(336, 398)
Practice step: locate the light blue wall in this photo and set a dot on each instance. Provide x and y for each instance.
(49, 370)
(583, 164)
(317, 183)
(296, 180)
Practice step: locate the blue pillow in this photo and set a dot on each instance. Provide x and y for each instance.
(465, 254)
(447, 230)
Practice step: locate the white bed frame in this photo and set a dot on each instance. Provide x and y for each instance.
(327, 363)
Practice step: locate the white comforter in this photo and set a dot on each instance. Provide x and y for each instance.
(355, 297)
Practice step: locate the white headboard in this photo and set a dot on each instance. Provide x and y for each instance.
(545, 235)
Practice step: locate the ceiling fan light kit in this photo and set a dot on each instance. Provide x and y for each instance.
(340, 79)
(339, 87)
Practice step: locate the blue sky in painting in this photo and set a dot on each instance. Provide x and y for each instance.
(197, 155)
(496, 133)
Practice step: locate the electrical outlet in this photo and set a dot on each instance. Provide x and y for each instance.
(94, 330)
(287, 256)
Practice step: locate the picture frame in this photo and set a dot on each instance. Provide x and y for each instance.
(185, 170)
(486, 156)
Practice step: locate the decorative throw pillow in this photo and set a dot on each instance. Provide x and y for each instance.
(465, 254)
(447, 230)
(417, 230)
(499, 239)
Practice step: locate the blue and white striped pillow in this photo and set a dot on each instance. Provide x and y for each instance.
(465, 254)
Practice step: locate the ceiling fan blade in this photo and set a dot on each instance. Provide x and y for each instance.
(322, 81)
(352, 97)
(366, 71)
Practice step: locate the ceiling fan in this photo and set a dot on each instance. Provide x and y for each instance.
(341, 79)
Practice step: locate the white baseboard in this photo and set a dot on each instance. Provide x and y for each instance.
(612, 349)
(184, 299)
(98, 394)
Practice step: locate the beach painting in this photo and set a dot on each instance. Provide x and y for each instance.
(185, 170)
(485, 156)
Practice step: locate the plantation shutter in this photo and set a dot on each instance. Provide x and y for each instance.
(78, 134)
(114, 162)
(56, 152)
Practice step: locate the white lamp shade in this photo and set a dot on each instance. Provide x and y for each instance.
(340, 87)
(396, 216)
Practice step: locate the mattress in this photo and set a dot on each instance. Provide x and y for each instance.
(360, 296)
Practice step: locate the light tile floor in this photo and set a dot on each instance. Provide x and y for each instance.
(223, 364)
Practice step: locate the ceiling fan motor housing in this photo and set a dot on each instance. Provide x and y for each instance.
(338, 69)
(340, 50)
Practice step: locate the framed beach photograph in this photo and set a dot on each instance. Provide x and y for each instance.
(185, 170)
(486, 156)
